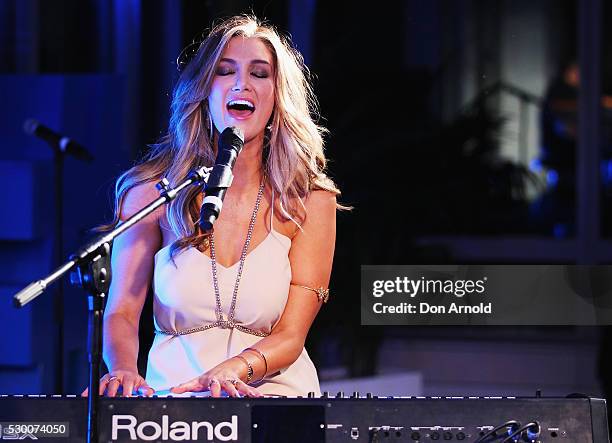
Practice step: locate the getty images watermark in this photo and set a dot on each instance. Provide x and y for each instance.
(412, 288)
(486, 295)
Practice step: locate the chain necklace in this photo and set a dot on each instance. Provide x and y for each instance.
(222, 322)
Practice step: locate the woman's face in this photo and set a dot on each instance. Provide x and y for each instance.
(242, 93)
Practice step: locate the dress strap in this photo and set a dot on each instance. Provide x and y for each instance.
(272, 212)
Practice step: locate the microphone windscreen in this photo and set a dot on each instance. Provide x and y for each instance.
(30, 125)
(239, 133)
(231, 135)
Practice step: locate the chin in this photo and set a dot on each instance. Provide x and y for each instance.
(249, 137)
(250, 129)
(250, 134)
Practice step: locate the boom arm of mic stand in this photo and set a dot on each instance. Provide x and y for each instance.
(96, 281)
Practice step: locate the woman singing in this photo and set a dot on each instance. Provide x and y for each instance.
(233, 307)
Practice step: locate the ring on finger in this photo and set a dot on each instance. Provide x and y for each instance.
(113, 378)
(234, 381)
(212, 382)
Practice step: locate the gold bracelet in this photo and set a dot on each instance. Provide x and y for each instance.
(249, 368)
(322, 294)
(263, 357)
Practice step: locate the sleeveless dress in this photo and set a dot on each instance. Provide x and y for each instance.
(184, 298)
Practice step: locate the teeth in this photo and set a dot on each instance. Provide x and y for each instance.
(241, 102)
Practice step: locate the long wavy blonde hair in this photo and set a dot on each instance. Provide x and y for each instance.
(293, 161)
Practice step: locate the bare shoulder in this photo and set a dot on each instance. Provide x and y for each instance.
(321, 204)
(137, 198)
(320, 217)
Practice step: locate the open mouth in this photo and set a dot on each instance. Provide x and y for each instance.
(240, 108)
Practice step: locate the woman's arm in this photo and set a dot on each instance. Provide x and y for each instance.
(311, 257)
(132, 267)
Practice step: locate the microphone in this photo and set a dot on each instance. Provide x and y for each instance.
(57, 141)
(230, 144)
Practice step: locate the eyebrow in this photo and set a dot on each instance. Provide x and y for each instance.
(253, 62)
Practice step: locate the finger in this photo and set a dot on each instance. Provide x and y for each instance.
(215, 388)
(247, 390)
(103, 384)
(112, 387)
(229, 387)
(192, 385)
(128, 386)
(242, 387)
(145, 389)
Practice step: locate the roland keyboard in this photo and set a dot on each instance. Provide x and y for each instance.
(335, 418)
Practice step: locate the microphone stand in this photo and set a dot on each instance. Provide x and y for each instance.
(58, 255)
(60, 151)
(91, 271)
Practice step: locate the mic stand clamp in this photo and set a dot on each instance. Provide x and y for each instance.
(94, 276)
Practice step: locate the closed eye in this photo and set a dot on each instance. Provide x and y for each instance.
(225, 71)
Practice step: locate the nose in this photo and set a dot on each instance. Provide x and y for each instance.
(242, 83)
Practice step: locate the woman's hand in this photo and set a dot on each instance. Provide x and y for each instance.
(224, 377)
(128, 381)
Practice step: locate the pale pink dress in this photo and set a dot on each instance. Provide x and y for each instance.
(184, 298)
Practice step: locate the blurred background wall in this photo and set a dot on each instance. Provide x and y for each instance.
(453, 132)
